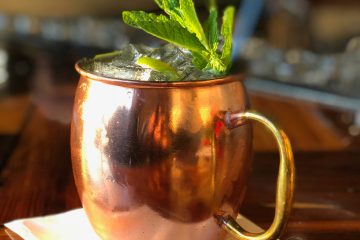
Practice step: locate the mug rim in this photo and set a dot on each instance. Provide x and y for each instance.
(157, 84)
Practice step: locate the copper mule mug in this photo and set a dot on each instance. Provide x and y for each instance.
(169, 160)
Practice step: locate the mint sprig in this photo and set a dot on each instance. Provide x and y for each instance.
(182, 27)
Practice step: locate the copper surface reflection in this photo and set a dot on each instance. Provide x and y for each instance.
(155, 161)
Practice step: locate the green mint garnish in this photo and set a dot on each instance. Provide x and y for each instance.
(211, 27)
(227, 32)
(182, 27)
(162, 27)
(159, 66)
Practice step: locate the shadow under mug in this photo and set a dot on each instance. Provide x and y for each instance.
(169, 160)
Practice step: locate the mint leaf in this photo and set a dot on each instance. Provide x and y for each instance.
(199, 61)
(216, 65)
(227, 32)
(183, 12)
(212, 29)
(160, 3)
(171, 7)
(164, 28)
(191, 20)
(167, 5)
(159, 66)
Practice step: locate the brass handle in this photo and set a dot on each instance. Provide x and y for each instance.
(285, 183)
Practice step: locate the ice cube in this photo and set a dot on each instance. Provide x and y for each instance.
(122, 64)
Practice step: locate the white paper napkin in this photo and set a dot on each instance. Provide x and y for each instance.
(74, 225)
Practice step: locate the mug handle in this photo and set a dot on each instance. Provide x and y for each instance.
(285, 182)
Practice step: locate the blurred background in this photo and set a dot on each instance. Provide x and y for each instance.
(301, 59)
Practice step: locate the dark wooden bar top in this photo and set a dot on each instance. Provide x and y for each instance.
(36, 177)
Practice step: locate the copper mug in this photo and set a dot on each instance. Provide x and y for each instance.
(169, 160)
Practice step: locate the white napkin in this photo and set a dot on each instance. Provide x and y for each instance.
(74, 225)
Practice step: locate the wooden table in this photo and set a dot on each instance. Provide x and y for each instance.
(37, 178)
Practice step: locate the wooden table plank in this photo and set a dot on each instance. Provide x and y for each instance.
(37, 178)
(13, 111)
(305, 124)
(7, 234)
(326, 199)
